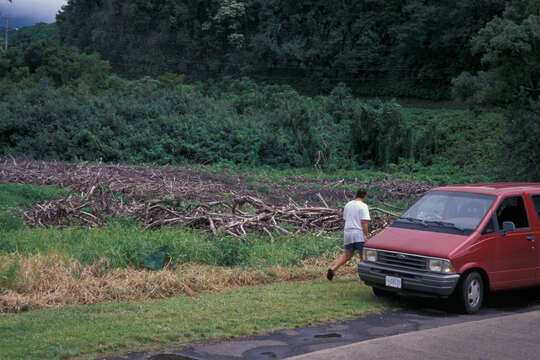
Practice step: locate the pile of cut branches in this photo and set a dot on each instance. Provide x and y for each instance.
(199, 183)
(244, 214)
(139, 183)
(217, 203)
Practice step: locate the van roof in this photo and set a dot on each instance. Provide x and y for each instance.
(492, 188)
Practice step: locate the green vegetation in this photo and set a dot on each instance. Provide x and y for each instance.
(97, 330)
(381, 48)
(14, 198)
(47, 61)
(405, 48)
(58, 103)
(27, 35)
(456, 139)
(238, 122)
(125, 245)
(225, 83)
(509, 47)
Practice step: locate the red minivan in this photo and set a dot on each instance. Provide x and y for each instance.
(462, 241)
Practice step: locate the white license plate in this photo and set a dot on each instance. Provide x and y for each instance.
(394, 282)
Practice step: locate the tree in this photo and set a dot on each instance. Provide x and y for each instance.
(509, 47)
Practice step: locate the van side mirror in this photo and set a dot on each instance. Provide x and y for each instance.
(508, 226)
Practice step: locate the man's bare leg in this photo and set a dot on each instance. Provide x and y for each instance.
(340, 261)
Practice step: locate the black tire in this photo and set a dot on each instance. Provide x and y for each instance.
(471, 292)
(381, 293)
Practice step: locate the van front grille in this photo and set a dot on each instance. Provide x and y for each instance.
(402, 260)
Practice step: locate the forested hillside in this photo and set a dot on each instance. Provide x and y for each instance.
(275, 82)
(379, 48)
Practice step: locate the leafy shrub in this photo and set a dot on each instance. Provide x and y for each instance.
(235, 121)
(26, 66)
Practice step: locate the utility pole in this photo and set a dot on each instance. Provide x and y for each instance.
(6, 31)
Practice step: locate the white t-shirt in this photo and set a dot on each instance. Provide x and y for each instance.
(355, 211)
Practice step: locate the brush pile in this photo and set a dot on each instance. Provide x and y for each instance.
(237, 217)
(218, 203)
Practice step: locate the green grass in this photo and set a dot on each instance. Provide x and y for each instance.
(278, 176)
(97, 330)
(15, 197)
(126, 245)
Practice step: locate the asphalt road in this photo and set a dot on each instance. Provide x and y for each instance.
(501, 338)
(507, 327)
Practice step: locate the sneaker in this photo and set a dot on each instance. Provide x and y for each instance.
(330, 274)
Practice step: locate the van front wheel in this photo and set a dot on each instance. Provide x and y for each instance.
(471, 292)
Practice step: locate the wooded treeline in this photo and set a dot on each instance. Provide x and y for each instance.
(379, 48)
(60, 100)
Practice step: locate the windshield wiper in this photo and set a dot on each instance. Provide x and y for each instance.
(414, 220)
(447, 224)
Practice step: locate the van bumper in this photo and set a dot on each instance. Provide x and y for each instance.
(413, 283)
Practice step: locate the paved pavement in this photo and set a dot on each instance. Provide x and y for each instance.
(508, 325)
(501, 338)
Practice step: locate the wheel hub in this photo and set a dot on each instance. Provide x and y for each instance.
(473, 293)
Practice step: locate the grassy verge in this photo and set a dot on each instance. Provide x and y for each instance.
(91, 331)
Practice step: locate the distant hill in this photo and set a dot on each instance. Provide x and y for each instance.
(29, 34)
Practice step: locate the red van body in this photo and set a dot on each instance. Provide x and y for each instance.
(462, 240)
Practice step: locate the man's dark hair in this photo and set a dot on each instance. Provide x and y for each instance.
(361, 193)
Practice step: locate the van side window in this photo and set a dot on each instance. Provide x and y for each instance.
(512, 209)
(490, 227)
(536, 202)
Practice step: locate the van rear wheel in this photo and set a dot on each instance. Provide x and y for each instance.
(471, 292)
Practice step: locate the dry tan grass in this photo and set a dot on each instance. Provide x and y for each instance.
(47, 281)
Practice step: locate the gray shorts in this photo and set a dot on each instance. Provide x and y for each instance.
(353, 236)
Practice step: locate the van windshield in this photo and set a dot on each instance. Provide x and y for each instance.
(457, 211)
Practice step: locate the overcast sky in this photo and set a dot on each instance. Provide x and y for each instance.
(29, 12)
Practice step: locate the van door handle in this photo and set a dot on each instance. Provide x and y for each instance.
(531, 237)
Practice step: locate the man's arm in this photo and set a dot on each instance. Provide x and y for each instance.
(365, 227)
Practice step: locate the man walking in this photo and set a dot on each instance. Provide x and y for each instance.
(356, 216)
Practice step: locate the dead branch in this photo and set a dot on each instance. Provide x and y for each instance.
(384, 211)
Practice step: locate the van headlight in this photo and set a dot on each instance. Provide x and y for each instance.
(440, 266)
(370, 255)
